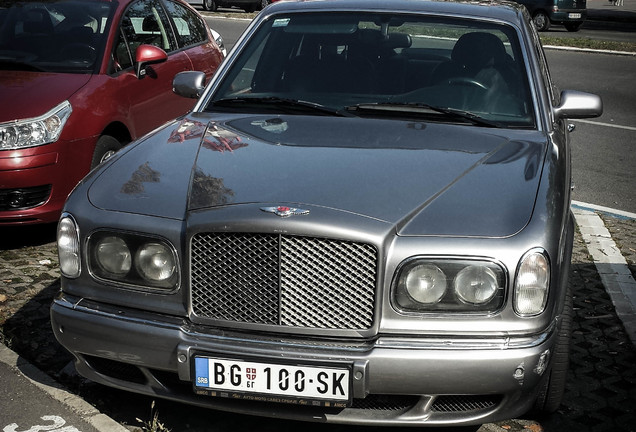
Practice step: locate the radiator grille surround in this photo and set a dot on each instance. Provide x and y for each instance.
(282, 280)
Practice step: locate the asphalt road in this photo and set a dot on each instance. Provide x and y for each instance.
(603, 156)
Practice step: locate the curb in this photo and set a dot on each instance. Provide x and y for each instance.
(611, 266)
(90, 414)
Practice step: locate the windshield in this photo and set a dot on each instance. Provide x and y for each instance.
(381, 65)
(53, 36)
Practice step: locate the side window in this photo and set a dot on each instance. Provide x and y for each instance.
(191, 29)
(144, 22)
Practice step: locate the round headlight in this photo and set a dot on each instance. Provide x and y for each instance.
(68, 247)
(113, 255)
(476, 284)
(155, 262)
(531, 285)
(425, 283)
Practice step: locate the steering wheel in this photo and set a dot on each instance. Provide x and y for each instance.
(467, 82)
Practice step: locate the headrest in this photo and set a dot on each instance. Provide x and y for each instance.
(150, 24)
(478, 50)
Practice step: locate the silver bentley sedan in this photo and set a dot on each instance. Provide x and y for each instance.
(365, 219)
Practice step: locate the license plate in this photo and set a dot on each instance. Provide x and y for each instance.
(253, 380)
(574, 16)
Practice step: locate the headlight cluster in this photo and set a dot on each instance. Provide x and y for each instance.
(449, 285)
(145, 262)
(35, 131)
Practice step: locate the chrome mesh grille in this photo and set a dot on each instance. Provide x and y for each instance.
(464, 403)
(283, 280)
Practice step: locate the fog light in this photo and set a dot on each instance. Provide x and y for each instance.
(16, 199)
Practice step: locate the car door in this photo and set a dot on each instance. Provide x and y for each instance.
(193, 35)
(150, 97)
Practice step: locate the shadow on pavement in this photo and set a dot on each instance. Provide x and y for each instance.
(22, 236)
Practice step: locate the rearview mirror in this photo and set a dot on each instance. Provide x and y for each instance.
(576, 104)
(147, 55)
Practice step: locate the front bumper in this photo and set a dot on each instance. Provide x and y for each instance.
(56, 168)
(395, 381)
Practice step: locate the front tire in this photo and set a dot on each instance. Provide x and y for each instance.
(106, 147)
(264, 4)
(551, 392)
(541, 21)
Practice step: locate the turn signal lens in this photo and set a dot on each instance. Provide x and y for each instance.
(68, 247)
(531, 284)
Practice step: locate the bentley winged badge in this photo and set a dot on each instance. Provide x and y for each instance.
(284, 211)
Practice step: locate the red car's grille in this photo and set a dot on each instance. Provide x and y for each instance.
(23, 198)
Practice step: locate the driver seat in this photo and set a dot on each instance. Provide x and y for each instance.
(475, 56)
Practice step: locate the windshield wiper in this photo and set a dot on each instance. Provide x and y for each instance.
(393, 108)
(284, 104)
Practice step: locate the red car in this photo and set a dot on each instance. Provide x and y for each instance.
(80, 79)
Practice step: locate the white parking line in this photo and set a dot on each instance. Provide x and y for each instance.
(611, 211)
(612, 125)
(611, 266)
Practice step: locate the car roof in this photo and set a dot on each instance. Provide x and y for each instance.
(494, 9)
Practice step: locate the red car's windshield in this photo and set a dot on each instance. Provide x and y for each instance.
(53, 36)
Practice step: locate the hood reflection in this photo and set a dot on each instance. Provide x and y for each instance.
(143, 174)
(214, 137)
(208, 191)
(219, 139)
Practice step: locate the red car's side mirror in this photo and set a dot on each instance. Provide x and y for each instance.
(147, 55)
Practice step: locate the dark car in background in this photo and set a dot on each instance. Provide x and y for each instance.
(569, 13)
(78, 80)
(246, 5)
(365, 219)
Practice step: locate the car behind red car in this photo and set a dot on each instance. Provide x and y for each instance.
(80, 79)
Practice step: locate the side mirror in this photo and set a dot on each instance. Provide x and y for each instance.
(575, 104)
(147, 55)
(189, 84)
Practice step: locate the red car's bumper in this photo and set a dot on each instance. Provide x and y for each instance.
(35, 182)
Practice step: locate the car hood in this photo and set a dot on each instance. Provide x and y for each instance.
(22, 88)
(424, 178)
